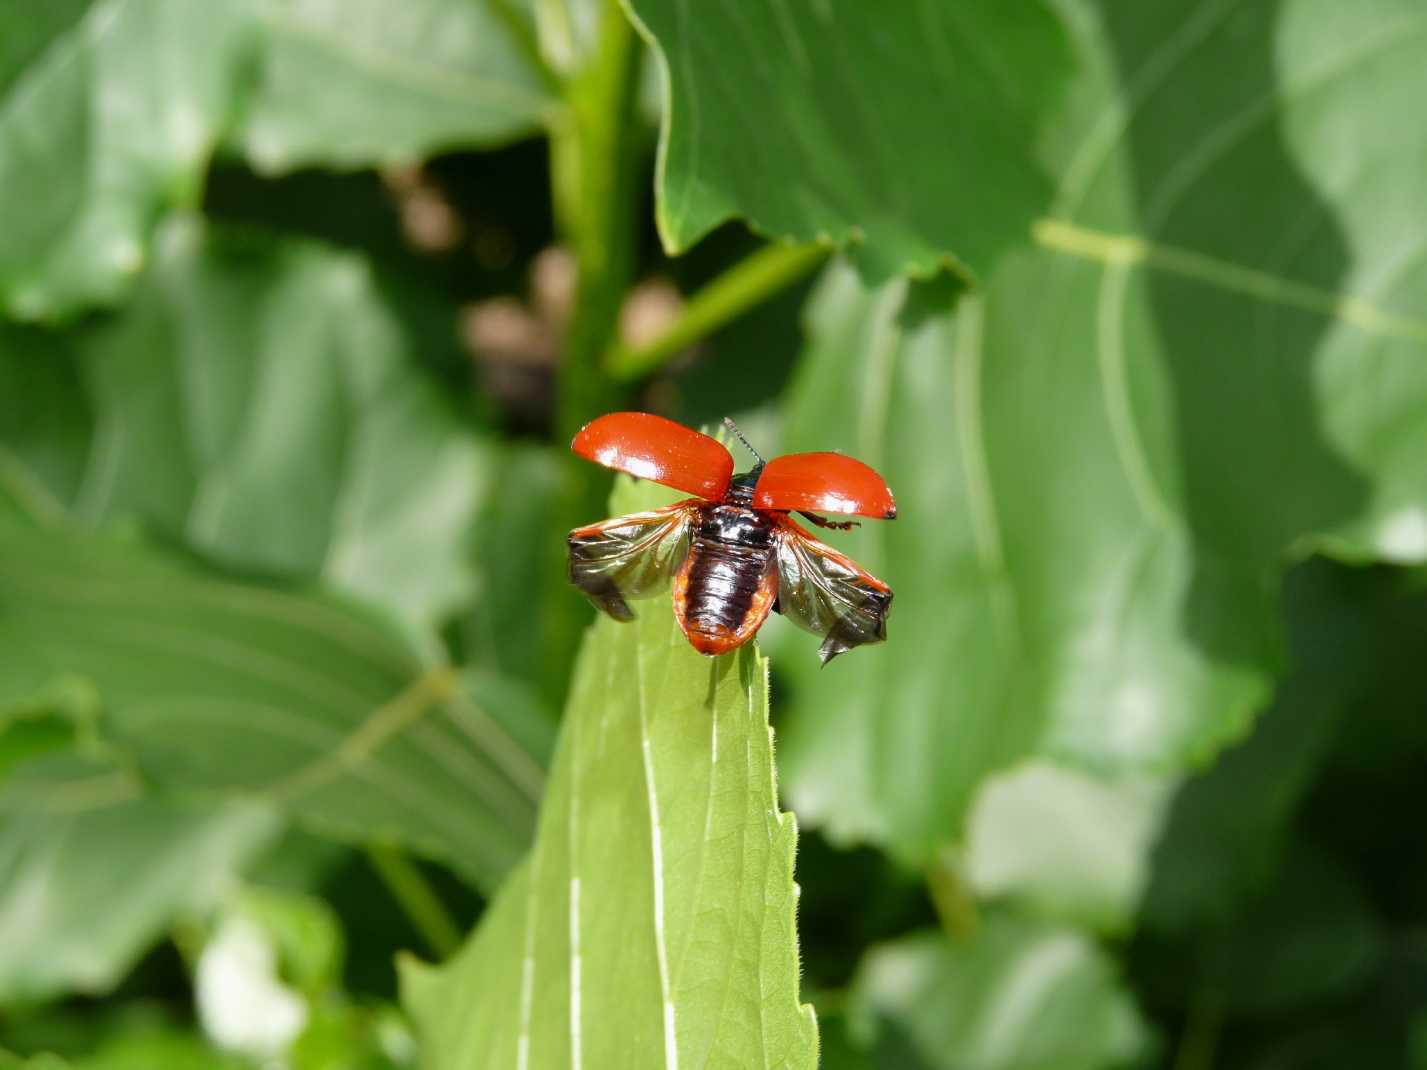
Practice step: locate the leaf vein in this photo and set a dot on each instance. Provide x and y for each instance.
(1115, 389)
(1224, 135)
(1103, 247)
(986, 530)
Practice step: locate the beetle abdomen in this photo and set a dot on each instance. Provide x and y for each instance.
(727, 584)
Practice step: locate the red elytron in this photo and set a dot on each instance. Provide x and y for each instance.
(733, 552)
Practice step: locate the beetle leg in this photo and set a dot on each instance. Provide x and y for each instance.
(836, 525)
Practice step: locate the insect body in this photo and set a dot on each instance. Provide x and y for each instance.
(733, 552)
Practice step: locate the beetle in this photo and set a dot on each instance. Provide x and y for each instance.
(733, 551)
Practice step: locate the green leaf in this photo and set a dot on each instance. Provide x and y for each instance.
(366, 82)
(354, 1038)
(146, 1048)
(108, 118)
(135, 1035)
(1026, 622)
(112, 120)
(1065, 845)
(1173, 853)
(1106, 458)
(1224, 837)
(1314, 935)
(653, 924)
(1015, 995)
(171, 1049)
(526, 621)
(298, 699)
(839, 1052)
(1356, 650)
(1179, 855)
(909, 131)
(303, 930)
(37, 1062)
(68, 922)
(265, 404)
(26, 38)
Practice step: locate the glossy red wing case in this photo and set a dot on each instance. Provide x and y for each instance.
(657, 449)
(828, 594)
(823, 483)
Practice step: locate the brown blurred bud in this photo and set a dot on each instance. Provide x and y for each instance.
(648, 311)
(428, 221)
(553, 279)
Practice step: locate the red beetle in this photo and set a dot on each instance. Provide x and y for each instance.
(733, 552)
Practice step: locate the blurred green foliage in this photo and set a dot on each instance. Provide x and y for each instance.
(300, 301)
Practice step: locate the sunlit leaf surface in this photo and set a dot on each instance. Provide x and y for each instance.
(653, 924)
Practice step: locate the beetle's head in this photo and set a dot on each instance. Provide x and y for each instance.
(740, 489)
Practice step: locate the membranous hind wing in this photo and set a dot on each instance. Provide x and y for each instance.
(826, 593)
(630, 557)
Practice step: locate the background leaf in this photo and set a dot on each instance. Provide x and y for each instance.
(1179, 853)
(94, 873)
(1013, 996)
(190, 412)
(1067, 846)
(967, 85)
(138, 1041)
(109, 116)
(1309, 937)
(653, 923)
(1177, 416)
(353, 84)
(297, 699)
(526, 619)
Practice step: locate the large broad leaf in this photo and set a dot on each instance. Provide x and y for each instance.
(1067, 845)
(297, 699)
(264, 404)
(1015, 995)
(135, 1037)
(653, 924)
(907, 129)
(1205, 362)
(352, 83)
(1176, 852)
(110, 111)
(1313, 936)
(92, 872)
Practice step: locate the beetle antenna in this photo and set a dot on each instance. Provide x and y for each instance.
(728, 422)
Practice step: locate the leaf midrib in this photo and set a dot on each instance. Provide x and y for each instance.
(1130, 250)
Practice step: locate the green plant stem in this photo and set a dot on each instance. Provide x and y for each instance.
(555, 31)
(954, 904)
(418, 900)
(596, 152)
(1200, 1039)
(749, 282)
(595, 143)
